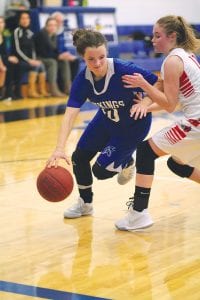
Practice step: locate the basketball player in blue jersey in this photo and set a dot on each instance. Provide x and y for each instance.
(112, 133)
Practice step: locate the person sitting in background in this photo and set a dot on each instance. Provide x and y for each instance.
(13, 9)
(55, 63)
(24, 48)
(2, 66)
(8, 69)
(62, 48)
(2, 77)
(35, 3)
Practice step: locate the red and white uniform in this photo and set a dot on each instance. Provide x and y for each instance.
(182, 138)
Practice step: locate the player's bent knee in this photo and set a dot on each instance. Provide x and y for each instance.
(79, 156)
(101, 173)
(76, 157)
(179, 169)
(145, 158)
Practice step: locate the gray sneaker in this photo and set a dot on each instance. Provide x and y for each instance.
(126, 174)
(79, 209)
(134, 220)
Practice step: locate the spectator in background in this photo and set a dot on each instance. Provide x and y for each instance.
(8, 68)
(62, 48)
(2, 66)
(13, 9)
(35, 3)
(2, 73)
(55, 63)
(24, 49)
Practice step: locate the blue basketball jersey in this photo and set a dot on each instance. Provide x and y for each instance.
(112, 131)
(109, 94)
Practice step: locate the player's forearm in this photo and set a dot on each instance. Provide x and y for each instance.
(154, 107)
(64, 133)
(147, 101)
(66, 127)
(156, 95)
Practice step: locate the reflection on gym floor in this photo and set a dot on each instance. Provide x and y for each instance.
(44, 256)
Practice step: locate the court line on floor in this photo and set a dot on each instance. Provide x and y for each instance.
(34, 291)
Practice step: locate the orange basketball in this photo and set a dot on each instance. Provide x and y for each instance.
(55, 184)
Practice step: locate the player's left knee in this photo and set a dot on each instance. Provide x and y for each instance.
(101, 173)
(179, 169)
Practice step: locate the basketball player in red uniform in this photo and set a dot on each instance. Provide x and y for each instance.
(180, 73)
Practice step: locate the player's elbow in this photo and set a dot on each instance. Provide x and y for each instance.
(170, 108)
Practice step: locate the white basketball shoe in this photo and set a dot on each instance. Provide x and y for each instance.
(134, 220)
(126, 174)
(79, 209)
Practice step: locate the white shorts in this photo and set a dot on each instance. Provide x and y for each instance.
(181, 139)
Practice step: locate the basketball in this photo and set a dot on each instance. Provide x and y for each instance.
(55, 184)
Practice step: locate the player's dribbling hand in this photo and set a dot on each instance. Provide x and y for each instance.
(55, 157)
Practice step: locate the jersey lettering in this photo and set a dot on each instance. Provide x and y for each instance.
(111, 104)
(111, 114)
(110, 109)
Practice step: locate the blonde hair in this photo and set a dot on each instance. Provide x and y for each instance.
(185, 36)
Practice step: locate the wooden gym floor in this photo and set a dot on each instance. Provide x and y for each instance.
(43, 256)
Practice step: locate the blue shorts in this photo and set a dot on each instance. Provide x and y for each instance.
(116, 149)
